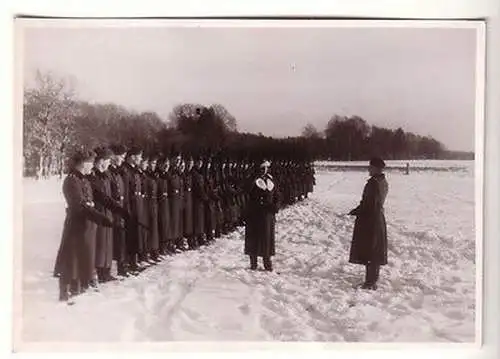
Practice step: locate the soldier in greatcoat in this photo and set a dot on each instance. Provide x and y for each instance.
(118, 192)
(260, 218)
(210, 208)
(233, 193)
(311, 180)
(369, 241)
(217, 198)
(101, 185)
(75, 261)
(165, 227)
(188, 212)
(134, 205)
(152, 206)
(144, 242)
(226, 196)
(200, 200)
(176, 196)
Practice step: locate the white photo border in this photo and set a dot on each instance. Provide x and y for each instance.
(486, 215)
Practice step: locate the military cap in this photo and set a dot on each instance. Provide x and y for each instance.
(103, 153)
(151, 156)
(134, 150)
(118, 149)
(80, 156)
(377, 162)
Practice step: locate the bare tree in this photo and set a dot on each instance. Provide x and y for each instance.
(48, 115)
(223, 114)
(310, 131)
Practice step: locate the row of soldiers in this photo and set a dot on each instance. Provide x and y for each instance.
(146, 206)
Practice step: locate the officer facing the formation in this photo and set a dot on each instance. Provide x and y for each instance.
(369, 241)
(260, 217)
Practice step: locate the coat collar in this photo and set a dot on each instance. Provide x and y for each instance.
(76, 173)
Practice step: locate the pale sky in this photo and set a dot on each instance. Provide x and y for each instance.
(275, 80)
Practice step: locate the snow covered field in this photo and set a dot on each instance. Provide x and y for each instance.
(426, 292)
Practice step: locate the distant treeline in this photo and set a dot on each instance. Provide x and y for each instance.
(55, 122)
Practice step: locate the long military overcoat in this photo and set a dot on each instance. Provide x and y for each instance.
(260, 217)
(76, 255)
(134, 205)
(187, 210)
(101, 185)
(175, 187)
(118, 194)
(210, 207)
(152, 203)
(200, 199)
(369, 241)
(164, 220)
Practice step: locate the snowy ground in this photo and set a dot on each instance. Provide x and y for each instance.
(426, 293)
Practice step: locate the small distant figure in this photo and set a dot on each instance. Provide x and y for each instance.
(407, 168)
(369, 240)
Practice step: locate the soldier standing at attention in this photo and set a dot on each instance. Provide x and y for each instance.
(369, 241)
(260, 217)
(188, 220)
(118, 192)
(152, 203)
(134, 205)
(176, 197)
(200, 200)
(166, 239)
(144, 245)
(75, 262)
(210, 208)
(101, 185)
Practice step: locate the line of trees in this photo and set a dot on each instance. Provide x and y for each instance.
(55, 122)
(351, 138)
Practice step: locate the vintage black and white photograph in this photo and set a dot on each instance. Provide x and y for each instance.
(250, 180)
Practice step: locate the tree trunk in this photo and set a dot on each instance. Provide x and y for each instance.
(61, 164)
(39, 172)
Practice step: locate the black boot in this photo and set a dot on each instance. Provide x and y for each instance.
(64, 293)
(107, 275)
(371, 277)
(163, 250)
(75, 288)
(93, 283)
(200, 241)
(253, 262)
(122, 270)
(100, 275)
(268, 265)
